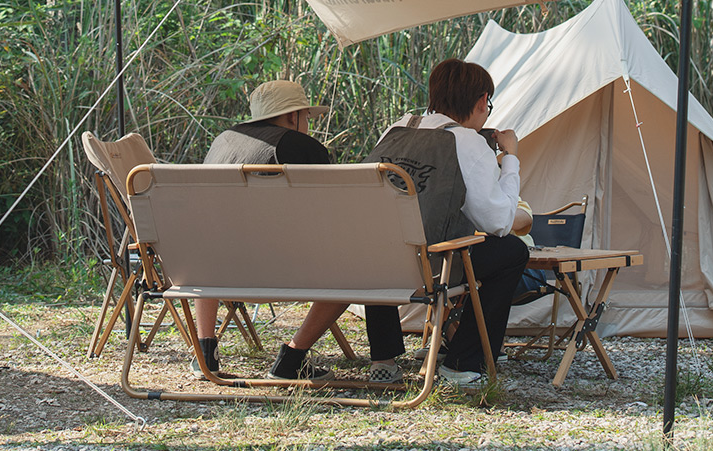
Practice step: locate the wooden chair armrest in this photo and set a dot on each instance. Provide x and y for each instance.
(457, 243)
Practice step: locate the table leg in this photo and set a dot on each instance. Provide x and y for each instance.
(602, 354)
(582, 317)
(592, 334)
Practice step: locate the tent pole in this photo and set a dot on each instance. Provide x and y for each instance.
(677, 224)
(119, 67)
(120, 120)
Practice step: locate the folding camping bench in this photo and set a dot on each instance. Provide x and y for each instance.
(113, 161)
(271, 233)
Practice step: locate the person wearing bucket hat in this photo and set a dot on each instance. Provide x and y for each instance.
(277, 133)
(275, 98)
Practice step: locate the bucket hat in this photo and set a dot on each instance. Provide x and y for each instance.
(274, 98)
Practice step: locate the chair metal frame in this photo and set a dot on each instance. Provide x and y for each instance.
(435, 294)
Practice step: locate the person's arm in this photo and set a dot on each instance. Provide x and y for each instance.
(523, 219)
(296, 147)
(491, 193)
(507, 141)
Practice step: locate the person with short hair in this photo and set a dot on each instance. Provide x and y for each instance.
(462, 190)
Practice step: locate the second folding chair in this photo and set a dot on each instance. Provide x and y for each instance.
(114, 161)
(551, 229)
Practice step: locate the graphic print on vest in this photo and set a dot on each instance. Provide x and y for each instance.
(419, 172)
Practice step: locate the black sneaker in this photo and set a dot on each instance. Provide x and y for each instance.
(209, 347)
(293, 364)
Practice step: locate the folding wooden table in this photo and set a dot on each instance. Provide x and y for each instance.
(564, 261)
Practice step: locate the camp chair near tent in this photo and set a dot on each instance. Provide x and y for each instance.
(566, 92)
(114, 161)
(352, 237)
(559, 227)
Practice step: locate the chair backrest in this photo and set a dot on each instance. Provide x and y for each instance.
(118, 158)
(554, 228)
(338, 227)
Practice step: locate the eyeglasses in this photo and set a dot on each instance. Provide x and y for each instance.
(490, 106)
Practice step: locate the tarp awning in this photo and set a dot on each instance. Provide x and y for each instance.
(352, 21)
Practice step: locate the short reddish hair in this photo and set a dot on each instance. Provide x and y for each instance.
(455, 86)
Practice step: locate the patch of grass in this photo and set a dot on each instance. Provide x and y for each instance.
(487, 394)
(688, 384)
(100, 426)
(53, 283)
(689, 434)
(295, 413)
(232, 418)
(7, 425)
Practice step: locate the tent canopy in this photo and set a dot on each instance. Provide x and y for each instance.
(564, 92)
(352, 21)
(538, 76)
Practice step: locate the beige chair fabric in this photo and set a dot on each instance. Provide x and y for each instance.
(254, 237)
(117, 159)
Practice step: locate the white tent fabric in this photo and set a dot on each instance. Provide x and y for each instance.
(564, 93)
(352, 21)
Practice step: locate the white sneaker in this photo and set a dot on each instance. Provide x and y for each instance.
(463, 379)
(420, 354)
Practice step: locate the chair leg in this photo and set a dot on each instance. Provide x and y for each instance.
(427, 327)
(250, 326)
(226, 321)
(125, 294)
(553, 342)
(144, 345)
(230, 316)
(116, 271)
(553, 325)
(179, 323)
(479, 317)
(342, 341)
(108, 297)
(550, 331)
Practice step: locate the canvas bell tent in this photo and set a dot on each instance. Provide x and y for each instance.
(566, 93)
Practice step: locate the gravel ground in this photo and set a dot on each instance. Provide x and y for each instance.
(44, 406)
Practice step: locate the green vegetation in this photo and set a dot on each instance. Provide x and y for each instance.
(192, 80)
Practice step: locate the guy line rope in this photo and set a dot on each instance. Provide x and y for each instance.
(140, 422)
(627, 81)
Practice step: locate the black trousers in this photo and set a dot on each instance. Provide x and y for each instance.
(383, 327)
(498, 264)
